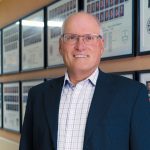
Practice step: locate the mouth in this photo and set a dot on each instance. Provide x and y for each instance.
(80, 56)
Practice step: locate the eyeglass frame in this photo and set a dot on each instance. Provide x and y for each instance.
(98, 36)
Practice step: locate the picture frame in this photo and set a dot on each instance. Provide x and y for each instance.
(11, 48)
(56, 14)
(25, 87)
(32, 39)
(1, 107)
(143, 17)
(117, 20)
(144, 77)
(0, 52)
(11, 106)
(128, 74)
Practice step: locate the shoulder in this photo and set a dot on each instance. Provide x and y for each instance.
(123, 88)
(121, 82)
(47, 84)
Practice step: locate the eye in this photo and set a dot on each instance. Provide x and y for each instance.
(72, 37)
(89, 37)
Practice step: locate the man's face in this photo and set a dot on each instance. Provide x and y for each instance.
(81, 56)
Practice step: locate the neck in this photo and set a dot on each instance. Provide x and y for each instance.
(76, 77)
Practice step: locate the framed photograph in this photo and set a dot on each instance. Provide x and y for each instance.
(130, 75)
(117, 20)
(1, 105)
(56, 14)
(11, 106)
(144, 77)
(25, 86)
(11, 48)
(143, 26)
(33, 41)
(0, 52)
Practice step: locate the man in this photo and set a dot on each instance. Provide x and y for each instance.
(101, 4)
(86, 109)
(116, 12)
(111, 2)
(106, 4)
(101, 16)
(121, 10)
(111, 13)
(106, 15)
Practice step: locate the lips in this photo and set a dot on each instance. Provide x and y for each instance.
(80, 56)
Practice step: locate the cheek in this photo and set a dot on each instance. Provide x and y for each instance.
(66, 52)
(63, 49)
(100, 48)
(97, 51)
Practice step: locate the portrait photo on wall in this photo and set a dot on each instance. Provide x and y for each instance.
(25, 87)
(56, 14)
(144, 77)
(148, 88)
(11, 50)
(128, 74)
(116, 19)
(143, 27)
(11, 106)
(33, 41)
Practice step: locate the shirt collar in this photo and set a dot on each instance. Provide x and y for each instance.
(92, 78)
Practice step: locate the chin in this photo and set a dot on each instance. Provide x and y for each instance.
(84, 69)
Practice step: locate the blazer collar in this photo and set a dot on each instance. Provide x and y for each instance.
(100, 104)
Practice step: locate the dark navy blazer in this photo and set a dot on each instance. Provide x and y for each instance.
(119, 116)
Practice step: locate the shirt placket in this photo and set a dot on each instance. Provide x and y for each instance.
(72, 140)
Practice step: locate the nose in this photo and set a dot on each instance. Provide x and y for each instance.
(80, 44)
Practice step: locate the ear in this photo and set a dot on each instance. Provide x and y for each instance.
(102, 46)
(60, 46)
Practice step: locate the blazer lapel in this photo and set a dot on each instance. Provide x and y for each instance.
(100, 104)
(52, 99)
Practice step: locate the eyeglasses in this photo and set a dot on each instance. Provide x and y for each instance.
(74, 38)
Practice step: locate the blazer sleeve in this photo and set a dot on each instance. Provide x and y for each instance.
(26, 141)
(140, 122)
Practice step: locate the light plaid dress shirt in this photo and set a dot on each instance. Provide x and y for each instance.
(73, 112)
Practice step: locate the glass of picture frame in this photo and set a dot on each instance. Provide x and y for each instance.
(143, 27)
(56, 14)
(11, 106)
(32, 28)
(144, 77)
(116, 18)
(129, 74)
(25, 86)
(11, 48)
(0, 51)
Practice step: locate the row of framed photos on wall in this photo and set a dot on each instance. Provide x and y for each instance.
(13, 98)
(13, 103)
(31, 43)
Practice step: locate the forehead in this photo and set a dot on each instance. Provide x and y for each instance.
(80, 23)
